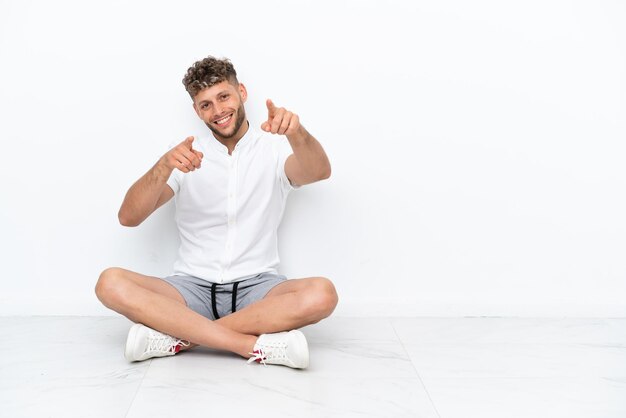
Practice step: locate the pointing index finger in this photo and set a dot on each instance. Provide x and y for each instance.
(188, 141)
(270, 106)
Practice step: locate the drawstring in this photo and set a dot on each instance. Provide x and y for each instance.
(214, 300)
(234, 308)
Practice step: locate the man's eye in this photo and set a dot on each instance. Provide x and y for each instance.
(224, 97)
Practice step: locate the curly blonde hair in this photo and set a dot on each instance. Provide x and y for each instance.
(208, 72)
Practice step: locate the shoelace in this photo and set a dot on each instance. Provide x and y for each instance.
(275, 351)
(258, 355)
(163, 343)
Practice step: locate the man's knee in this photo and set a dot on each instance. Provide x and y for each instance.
(111, 288)
(320, 300)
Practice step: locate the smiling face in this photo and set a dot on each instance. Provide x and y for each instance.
(221, 108)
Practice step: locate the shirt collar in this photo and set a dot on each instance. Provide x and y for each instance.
(243, 142)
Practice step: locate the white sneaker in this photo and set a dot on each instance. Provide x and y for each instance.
(144, 343)
(283, 348)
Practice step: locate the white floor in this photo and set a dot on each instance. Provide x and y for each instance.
(404, 367)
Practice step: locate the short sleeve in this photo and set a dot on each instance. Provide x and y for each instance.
(284, 151)
(174, 181)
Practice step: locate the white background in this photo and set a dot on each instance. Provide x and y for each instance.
(477, 147)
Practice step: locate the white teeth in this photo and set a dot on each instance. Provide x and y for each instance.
(223, 120)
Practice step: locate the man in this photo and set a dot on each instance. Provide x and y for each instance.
(230, 190)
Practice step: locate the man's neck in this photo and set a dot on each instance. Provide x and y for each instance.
(231, 142)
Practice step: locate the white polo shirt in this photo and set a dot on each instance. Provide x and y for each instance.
(228, 211)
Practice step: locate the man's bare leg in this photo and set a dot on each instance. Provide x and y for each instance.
(289, 305)
(158, 305)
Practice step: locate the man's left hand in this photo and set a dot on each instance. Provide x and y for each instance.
(281, 121)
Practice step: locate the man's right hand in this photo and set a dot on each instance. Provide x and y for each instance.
(183, 157)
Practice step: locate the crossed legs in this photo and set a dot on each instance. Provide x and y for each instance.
(158, 305)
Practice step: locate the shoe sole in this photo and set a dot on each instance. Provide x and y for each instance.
(302, 345)
(130, 342)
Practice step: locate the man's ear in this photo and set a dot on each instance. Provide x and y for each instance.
(243, 92)
(196, 108)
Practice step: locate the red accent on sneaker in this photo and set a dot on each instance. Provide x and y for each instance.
(260, 358)
(177, 348)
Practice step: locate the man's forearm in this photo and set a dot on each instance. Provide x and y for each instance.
(142, 197)
(311, 157)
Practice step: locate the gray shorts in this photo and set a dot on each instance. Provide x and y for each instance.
(214, 300)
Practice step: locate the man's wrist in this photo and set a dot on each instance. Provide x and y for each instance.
(162, 170)
(300, 136)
